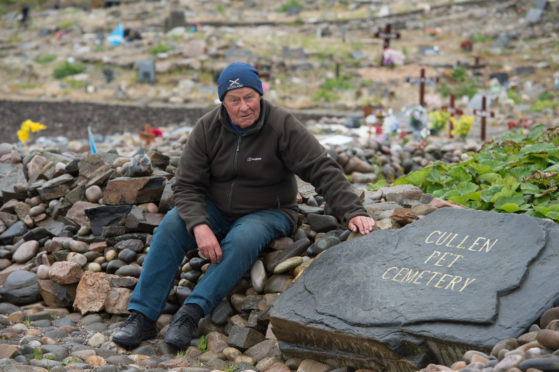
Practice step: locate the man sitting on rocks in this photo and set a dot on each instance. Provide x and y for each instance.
(235, 192)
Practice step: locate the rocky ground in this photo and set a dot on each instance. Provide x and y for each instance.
(67, 273)
(313, 55)
(66, 276)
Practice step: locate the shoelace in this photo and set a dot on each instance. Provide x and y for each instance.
(133, 318)
(185, 319)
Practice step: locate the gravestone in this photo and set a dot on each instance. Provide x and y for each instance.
(397, 300)
(502, 77)
(525, 70)
(146, 70)
(534, 15)
(294, 53)
(238, 55)
(539, 4)
(175, 19)
(298, 58)
(428, 50)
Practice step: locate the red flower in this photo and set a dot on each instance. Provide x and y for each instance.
(156, 132)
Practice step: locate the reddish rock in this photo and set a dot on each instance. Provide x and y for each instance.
(92, 292)
(403, 216)
(65, 272)
(77, 212)
(117, 301)
(136, 190)
(217, 342)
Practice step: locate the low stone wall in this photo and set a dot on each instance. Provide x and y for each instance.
(71, 119)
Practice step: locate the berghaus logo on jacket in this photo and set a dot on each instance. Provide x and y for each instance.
(250, 158)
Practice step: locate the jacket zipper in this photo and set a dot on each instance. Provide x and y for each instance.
(235, 167)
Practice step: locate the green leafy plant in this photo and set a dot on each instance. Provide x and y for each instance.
(231, 368)
(219, 8)
(468, 87)
(514, 95)
(45, 59)
(180, 354)
(518, 174)
(290, 4)
(545, 101)
(203, 343)
(67, 361)
(27, 322)
(65, 25)
(479, 38)
(68, 69)
(459, 74)
(160, 48)
(75, 84)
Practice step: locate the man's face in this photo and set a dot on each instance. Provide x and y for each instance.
(243, 106)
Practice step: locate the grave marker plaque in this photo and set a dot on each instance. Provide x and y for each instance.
(396, 300)
(146, 70)
(238, 55)
(421, 81)
(386, 36)
(483, 114)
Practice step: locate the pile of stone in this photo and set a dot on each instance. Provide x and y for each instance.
(535, 350)
(75, 228)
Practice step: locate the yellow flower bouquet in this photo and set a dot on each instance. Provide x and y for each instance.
(463, 126)
(438, 121)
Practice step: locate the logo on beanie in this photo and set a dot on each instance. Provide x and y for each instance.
(234, 84)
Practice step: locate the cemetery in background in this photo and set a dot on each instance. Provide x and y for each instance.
(443, 115)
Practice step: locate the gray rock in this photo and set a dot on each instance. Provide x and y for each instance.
(322, 223)
(129, 270)
(21, 288)
(440, 278)
(17, 229)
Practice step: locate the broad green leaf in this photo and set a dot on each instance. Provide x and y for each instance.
(475, 196)
(529, 188)
(510, 207)
(460, 173)
(515, 199)
(539, 148)
(417, 178)
(487, 195)
(543, 209)
(466, 187)
(553, 215)
(553, 168)
(536, 132)
(377, 185)
(490, 177)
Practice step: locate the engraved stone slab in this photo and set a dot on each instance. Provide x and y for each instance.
(399, 299)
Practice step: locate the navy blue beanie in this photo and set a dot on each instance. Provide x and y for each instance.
(238, 75)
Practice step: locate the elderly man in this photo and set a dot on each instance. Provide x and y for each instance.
(235, 192)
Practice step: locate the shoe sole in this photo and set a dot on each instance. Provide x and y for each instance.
(131, 345)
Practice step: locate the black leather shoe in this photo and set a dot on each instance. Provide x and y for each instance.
(182, 327)
(136, 329)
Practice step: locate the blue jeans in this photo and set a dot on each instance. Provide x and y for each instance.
(241, 239)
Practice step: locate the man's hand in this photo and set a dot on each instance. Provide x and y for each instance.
(207, 243)
(363, 224)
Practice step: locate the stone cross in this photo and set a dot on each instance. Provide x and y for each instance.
(386, 35)
(483, 114)
(422, 81)
(452, 111)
